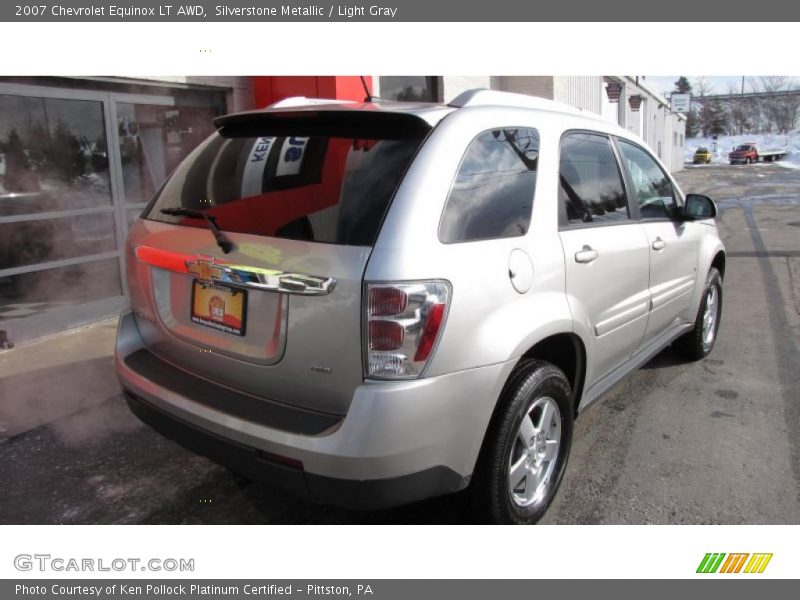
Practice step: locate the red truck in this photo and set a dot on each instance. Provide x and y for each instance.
(748, 153)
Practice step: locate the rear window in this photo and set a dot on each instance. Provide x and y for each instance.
(316, 188)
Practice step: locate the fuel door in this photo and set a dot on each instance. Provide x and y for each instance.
(520, 270)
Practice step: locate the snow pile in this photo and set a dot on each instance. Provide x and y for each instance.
(764, 141)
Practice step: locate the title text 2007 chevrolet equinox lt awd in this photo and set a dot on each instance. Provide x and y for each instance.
(376, 303)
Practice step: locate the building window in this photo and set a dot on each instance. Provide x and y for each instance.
(410, 88)
(71, 186)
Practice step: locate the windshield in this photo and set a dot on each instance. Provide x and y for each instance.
(743, 148)
(314, 188)
(703, 150)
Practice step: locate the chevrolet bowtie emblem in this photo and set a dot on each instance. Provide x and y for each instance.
(204, 268)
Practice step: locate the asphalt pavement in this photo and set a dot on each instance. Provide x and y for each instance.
(717, 441)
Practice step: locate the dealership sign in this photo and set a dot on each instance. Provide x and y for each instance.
(679, 103)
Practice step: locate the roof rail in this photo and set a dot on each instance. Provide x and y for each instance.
(484, 97)
(304, 101)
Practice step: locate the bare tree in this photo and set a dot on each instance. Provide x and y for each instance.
(740, 112)
(778, 108)
(702, 86)
(705, 115)
(775, 83)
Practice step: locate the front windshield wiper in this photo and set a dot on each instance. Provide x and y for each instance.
(222, 241)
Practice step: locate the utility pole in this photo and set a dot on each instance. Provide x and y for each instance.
(742, 85)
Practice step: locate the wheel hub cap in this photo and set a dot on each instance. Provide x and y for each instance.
(535, 453)
(710, 316)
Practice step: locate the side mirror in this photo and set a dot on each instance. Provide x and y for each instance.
(699, 207)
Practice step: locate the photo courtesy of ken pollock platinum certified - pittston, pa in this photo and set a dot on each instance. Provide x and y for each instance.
(193, 589)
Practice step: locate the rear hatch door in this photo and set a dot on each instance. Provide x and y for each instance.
(300, 196)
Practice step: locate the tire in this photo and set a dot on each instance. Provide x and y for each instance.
(699, 342)
(535, 392)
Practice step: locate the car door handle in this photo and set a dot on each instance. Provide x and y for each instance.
(586, 255)
(659, 244)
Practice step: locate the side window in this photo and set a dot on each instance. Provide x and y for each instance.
(492, 194)
(590, 182)
(653, 188)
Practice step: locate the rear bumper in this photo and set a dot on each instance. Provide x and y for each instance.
(399, 442)
(367, 494)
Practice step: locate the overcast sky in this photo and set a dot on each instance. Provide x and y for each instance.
(720, 84)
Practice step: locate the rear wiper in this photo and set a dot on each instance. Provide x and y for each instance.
(222, 242)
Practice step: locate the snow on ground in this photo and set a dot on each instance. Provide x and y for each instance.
(763, 141)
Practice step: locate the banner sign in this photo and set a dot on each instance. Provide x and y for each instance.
(391, 589)
(396, 11)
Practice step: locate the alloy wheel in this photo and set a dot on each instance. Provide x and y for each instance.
(535, 453)
(710, 316)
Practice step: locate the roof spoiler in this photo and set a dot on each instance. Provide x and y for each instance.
(339, 121)
(305, 101)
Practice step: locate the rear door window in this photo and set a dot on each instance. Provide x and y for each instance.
(590, 182)
(492, 195)
(309, 187)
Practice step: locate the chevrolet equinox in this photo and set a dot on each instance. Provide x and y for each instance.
(374, 303)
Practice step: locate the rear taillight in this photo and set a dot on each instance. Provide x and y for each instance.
(402, 324)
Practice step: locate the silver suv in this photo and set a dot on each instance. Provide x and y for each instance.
(371, 304)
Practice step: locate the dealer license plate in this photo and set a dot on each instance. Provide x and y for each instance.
(219, 306)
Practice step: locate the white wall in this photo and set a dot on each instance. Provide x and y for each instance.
(609, 111)
(240, 90)
(652, 122)
(456, 84)
(582, 92)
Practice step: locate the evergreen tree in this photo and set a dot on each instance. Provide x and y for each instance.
(66, 157)
(19, 176)
(692, 127)
(682, 86)
(718, 118)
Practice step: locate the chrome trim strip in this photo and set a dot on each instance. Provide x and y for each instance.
(257, 278)
(276, 281)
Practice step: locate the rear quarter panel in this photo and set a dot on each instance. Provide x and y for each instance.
(488, 322)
